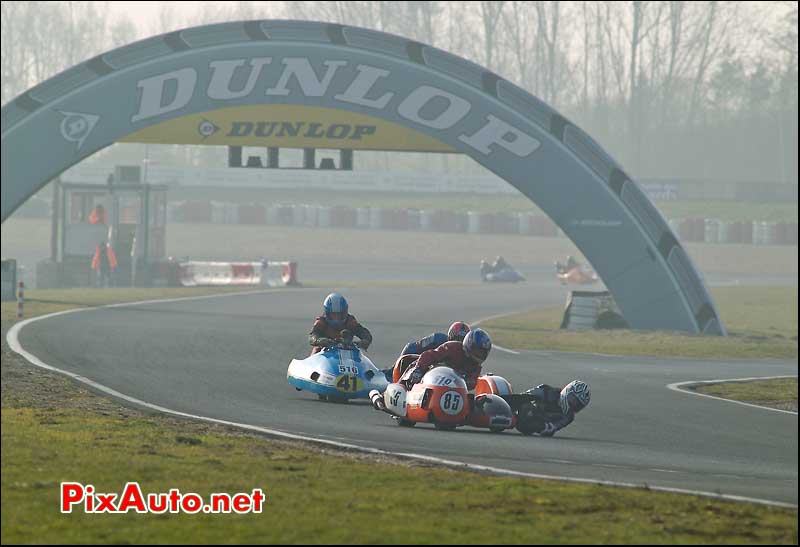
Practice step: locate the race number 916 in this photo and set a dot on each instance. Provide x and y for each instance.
(451, 402)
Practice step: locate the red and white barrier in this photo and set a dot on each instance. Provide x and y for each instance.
(272, 273)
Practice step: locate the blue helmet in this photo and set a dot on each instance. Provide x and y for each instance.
(335, 309)
(477, 344)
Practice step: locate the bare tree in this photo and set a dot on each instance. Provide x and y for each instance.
(490, 12)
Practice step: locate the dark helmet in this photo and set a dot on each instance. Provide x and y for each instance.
(458, 331)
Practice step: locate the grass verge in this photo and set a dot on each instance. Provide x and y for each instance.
(776, 393)
(761, 321)
(42, 302)
(54, 430)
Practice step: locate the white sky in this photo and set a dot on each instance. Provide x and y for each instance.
(146, 14)
(141, 13)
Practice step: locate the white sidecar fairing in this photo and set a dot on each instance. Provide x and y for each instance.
(339, 373)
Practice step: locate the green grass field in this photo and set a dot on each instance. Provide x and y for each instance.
(54, 430)
(41, 302)
(324, 498)
(761, 321)
(777, 392)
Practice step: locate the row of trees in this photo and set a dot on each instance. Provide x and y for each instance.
(672, 89)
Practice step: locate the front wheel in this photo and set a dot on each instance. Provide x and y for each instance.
(444, 427)
(405, 423)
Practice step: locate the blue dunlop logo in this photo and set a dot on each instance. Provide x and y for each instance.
(207, 128)
(76, 126)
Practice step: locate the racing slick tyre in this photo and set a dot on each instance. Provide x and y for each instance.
(405, 423)
(444, 427)
(322, 397)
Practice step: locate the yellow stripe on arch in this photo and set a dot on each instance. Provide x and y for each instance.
(288, 126)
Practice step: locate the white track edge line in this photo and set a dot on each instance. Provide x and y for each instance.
(13, 341)
(677, 386)
(495, 346)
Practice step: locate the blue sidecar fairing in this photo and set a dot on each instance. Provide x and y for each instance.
(337, 373)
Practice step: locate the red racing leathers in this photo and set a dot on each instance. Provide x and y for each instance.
(450, 354)
(323, 334)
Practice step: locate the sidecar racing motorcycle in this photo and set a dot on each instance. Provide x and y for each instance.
(441, 398)
(337, 373)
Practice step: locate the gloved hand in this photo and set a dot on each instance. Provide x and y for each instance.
(324, 342)
(377, 400)
(346, 336)
(363, 344)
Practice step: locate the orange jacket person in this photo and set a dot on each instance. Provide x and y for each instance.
(104, 263)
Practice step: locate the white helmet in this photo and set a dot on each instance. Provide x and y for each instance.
(574, 397)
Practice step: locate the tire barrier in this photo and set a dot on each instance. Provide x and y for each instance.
(252, 214)
(194, 211)
(694, 230)
(195, 273)
(343, 217)
(587, 310)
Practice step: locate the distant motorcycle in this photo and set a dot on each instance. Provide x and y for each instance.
(502, 273)
(574, 273)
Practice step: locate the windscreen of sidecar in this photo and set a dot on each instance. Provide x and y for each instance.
(443, 376)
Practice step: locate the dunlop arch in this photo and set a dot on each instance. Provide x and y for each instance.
(443, 103)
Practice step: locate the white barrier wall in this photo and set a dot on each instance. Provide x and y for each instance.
(225, 177)
(196, 273)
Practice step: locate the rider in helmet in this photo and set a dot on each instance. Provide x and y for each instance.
(464, 357)
(499, 264)
(456, 332)
(336, 323)
(556, 408)
(486, 269)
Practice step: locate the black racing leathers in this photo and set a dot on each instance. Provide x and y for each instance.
(538, 410)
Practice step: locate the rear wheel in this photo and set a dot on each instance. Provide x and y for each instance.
(405, 423)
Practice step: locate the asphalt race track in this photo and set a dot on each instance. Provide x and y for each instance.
(226, 358)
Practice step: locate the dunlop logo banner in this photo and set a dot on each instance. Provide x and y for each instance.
(288, 126)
